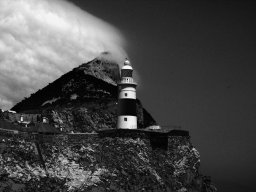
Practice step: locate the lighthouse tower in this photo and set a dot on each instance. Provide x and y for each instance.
(127, 118)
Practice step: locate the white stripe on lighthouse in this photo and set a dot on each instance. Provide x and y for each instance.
(127, 94)
(127, 122)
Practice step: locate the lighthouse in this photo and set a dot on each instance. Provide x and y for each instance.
(127, 116)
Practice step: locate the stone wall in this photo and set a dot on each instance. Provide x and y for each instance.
(156, 140)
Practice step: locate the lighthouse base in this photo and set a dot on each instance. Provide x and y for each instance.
(127, 122)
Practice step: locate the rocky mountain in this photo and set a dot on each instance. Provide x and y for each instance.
(82, 100)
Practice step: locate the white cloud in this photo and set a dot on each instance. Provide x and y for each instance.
(43, 39)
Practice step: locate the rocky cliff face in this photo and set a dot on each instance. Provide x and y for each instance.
(90, 163)
(82, 100)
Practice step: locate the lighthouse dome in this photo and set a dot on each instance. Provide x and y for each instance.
(127, 62)
(127, 65)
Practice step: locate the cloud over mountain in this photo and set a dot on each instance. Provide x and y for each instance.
(42, 39)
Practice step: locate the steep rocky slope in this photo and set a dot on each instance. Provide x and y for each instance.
(82, 100)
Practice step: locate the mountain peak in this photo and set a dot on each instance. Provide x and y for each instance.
(95, 79)
(103, 69)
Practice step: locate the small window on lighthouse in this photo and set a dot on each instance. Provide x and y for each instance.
(125, 94)
(125, 119)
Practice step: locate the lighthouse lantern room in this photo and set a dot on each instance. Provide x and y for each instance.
(127, 116)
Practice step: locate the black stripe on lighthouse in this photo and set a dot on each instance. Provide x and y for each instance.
(127, 107)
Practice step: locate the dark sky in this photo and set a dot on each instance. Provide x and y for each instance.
(196, 62)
